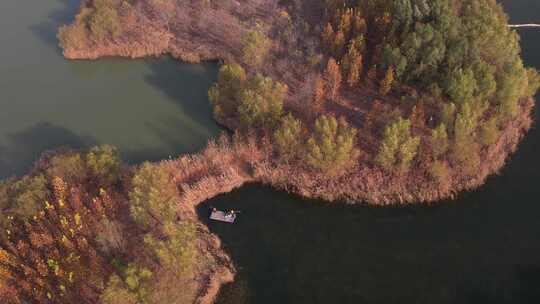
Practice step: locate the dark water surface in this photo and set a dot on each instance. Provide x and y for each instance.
(150, 109)
(483, 247)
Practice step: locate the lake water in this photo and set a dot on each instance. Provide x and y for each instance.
(483, 247)
(149, 109)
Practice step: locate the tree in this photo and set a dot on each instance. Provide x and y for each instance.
(328, 36)
(105, 21)
(387, 82)
(465, 149)
(104, 162)
(318, 94)
(153, 196)
(332, 145)
(261, 103)
(288, 138)
(439, 140)
(489, 132)
(255, 47)
(177, 252)
(461, 86)
(533, 80)
(332, 77)
(398, 147)
(224, 94)
(352, 66)
(134, 288)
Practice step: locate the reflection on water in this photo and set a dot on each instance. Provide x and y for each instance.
(150, 109)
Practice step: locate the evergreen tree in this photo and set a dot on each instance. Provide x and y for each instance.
(153, 197)
(439, 140)
(261, 103)
(332, 145)
(398, 146)
(288, 138)
(224, 94)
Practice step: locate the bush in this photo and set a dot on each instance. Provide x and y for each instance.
(104, 21)
(332, 145)
(398, 147)
(177, 252)
(153, 196)
(27, 196)
(255, 48)
(440, 172)
(288, 138)
(489, 132)
(224, 94)
(439, 140)
(104, 162)
(70, 167)
(261, 104)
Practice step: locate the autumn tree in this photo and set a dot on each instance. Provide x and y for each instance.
(318, 94)
(398, 147)
(332, 145)
(352, 66)
(332, 77)
(387, 82)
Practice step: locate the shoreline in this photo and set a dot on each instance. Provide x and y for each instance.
(227, 164)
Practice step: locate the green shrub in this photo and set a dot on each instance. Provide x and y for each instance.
(104, 162)
(104, 21)
(224, 95)
(261, 103)
(255, 48)
(332, 145)
(398, 147)
(288, 138)
(489, 132)
(439, 140)
(153, 196)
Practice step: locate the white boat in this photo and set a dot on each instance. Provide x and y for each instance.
(221, 216)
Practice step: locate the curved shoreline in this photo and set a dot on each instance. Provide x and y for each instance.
(227, 165)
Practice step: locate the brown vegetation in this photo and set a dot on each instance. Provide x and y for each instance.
(370, 103)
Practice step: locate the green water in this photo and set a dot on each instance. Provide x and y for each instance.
(483, 247)
(149, 109)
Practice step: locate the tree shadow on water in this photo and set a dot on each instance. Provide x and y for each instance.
(21, 149)
(47, 30)
(187, 85)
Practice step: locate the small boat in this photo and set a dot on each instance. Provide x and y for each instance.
(222, 216)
